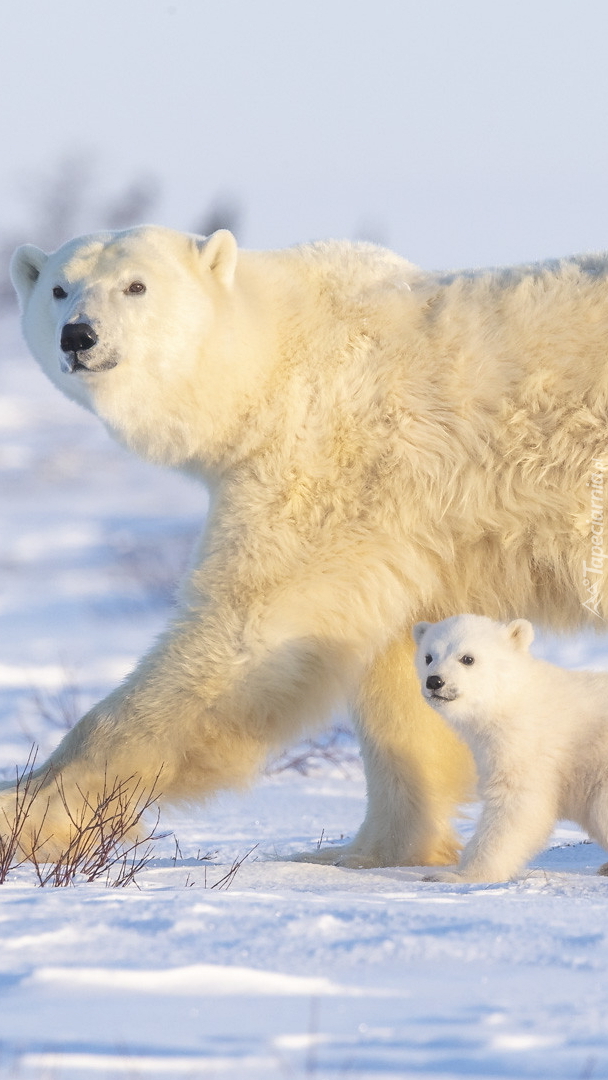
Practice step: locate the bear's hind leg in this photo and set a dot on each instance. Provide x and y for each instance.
(596, 820)
(417, 772)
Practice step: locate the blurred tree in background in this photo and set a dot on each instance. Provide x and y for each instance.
(224, 213)
(66, 203)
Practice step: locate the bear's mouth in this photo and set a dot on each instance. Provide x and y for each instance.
(434, 696)
(74, 364)
(71, 362)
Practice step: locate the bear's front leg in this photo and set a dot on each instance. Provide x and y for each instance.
(227, 684)
(417, 772)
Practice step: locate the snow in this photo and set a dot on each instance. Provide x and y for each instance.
(279, 969)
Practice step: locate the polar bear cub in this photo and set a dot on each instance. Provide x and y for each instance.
(538, 733)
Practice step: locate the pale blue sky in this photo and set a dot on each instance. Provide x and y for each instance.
(461, 132)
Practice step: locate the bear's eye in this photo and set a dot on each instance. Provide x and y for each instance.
(468, 660)
(59, 293)
(428, 658)
(135, 288)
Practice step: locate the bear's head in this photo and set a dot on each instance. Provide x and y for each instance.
(132, 322)
(467, 664)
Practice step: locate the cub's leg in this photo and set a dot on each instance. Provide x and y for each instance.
(519, 812)
(417, 772)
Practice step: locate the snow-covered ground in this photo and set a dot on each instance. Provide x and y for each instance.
(292, 970)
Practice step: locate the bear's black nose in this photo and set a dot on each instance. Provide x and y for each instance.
(77, 337)
(434, 682)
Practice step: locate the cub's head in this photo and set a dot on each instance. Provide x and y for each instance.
(465, 664)
(115, 319)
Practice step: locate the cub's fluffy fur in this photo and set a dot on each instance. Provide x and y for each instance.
(539, 736)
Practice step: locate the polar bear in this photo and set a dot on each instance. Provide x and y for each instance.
(538, 733)
(380, 444)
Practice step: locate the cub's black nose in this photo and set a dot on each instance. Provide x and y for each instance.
(434, 682)
(77, 337)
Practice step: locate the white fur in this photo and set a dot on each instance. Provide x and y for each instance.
(379, 444)
(538, 733)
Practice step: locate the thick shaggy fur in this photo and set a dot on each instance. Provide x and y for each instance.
(538, 733)
(380, 445)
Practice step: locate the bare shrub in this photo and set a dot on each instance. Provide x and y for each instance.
(150, 568)
(335, 748)
(60, 709)
(25, 790)
(199, 857)
(224, 213)
(100, 838)
(132, 206)
(65, 202)
(226, 879)
(101, 843)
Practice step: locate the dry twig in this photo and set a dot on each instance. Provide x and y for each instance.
(101, 833)
(25, 791)
(332, 748)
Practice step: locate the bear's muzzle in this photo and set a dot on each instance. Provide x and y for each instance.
(76, 340)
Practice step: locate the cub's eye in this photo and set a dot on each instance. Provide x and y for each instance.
(136, 287)
(428, 658)
(59, 293)
(468, 660)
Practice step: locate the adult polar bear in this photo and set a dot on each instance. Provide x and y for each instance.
(380, 445)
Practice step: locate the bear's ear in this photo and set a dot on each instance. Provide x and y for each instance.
(521, 633)
(26, 264)
(219, 254)
(418, 631)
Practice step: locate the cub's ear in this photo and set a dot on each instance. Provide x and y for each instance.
(26, 264)
(418, 631)
(520, 633)
(219, 253)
